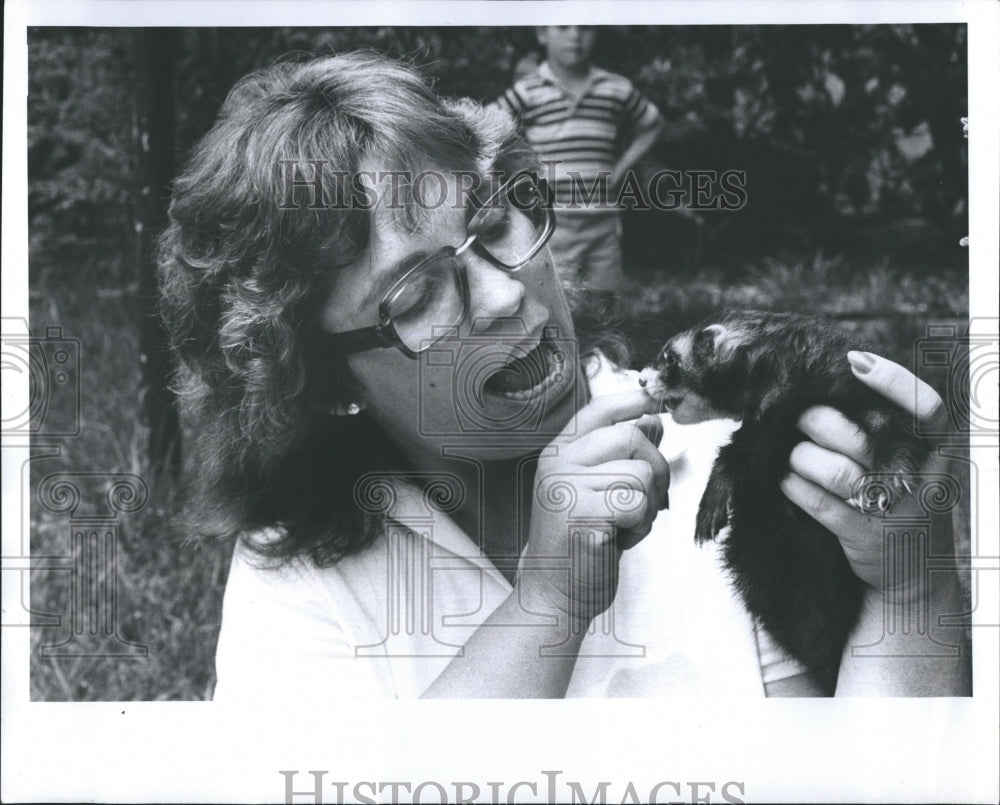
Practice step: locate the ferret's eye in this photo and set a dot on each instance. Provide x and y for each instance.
(669, 358)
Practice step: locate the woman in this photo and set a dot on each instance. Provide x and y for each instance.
(392, 410)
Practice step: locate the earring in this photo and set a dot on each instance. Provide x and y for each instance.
(339, 409)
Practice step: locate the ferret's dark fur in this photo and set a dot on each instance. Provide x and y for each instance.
(766, 369)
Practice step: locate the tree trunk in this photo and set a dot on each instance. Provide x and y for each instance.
(154, 152)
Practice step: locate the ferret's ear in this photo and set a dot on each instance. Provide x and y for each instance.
(717, 340)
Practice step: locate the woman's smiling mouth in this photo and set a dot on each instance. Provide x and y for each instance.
(525, 377)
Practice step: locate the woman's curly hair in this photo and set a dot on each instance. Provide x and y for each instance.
(245, 263)
(255, 235)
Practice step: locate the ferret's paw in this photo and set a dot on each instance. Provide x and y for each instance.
(895, 450)
(716, 503)
(878, 493)
(904, 482)
(705, 532)
(713, 516)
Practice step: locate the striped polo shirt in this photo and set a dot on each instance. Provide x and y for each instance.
(578, 138)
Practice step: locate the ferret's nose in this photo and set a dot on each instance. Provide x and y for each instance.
(649, 379)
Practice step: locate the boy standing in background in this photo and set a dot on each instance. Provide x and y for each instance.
(589, 126)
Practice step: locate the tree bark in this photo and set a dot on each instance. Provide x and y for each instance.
(154, 154)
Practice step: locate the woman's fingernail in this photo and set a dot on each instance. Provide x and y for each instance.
(861, 362)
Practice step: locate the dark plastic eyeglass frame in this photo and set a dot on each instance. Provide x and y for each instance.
(383, 335)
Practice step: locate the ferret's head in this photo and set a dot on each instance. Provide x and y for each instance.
(700, 373)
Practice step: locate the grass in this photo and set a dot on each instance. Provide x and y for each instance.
(170, 590)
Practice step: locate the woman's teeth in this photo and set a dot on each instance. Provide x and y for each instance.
(542, 367)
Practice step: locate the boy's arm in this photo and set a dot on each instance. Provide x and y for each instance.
(647, 122)
(643, 141)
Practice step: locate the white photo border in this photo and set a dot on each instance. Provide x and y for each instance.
(886, 750)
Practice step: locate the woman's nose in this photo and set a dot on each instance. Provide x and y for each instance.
(493, 292)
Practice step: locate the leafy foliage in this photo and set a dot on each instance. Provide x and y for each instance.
(836, 126)
(79, 142)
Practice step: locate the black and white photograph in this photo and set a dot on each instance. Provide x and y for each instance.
(522, 356)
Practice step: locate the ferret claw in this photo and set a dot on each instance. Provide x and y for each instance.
(902, 482)
(872, 499)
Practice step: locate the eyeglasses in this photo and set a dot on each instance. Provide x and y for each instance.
(432, 298)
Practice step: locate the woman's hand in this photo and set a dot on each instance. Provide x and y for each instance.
(901, 645)
(598, 487)
(826, 470)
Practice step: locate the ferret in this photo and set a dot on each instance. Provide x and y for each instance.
(765, 369)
